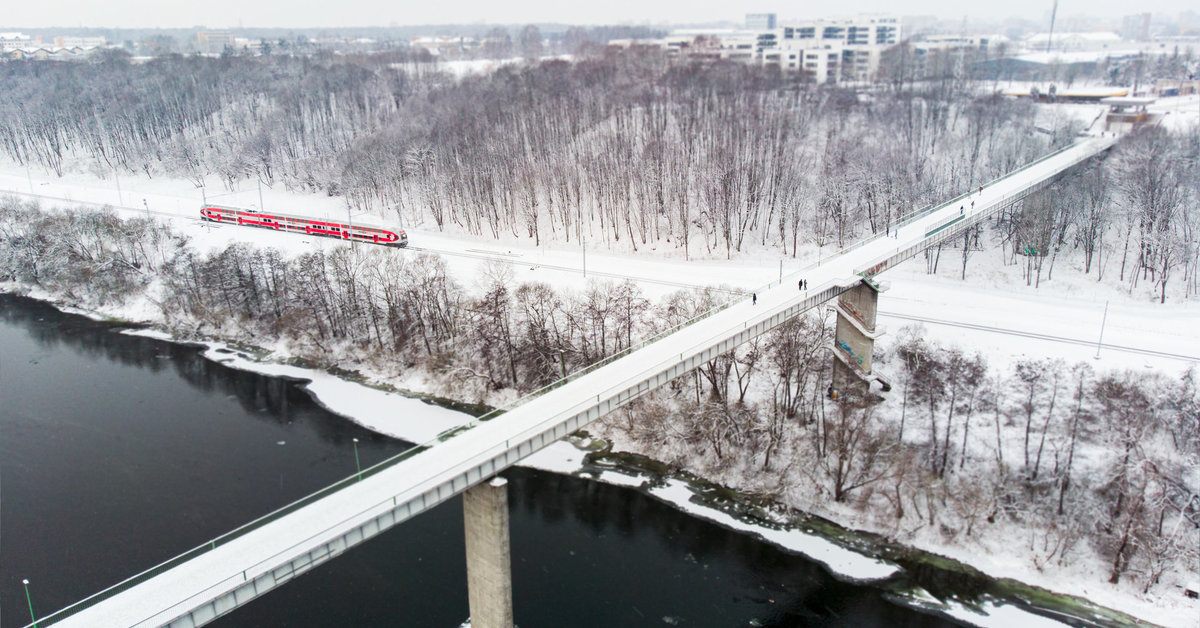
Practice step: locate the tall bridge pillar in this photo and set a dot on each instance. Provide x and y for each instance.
(854, 340)
(489, 563)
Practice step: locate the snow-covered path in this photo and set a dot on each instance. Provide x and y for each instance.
(236, 569)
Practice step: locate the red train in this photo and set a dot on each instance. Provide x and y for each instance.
(308, 226)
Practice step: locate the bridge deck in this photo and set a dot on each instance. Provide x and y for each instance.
(236, 570)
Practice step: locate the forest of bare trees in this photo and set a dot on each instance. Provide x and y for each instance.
(1086, 465)
(1057, 462)
(380, 306)
(630, 148)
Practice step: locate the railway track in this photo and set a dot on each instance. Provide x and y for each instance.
(1037, 336)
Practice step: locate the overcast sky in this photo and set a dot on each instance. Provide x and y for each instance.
(306, 13)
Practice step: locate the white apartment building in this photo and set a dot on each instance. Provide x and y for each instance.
(831, 50)
(14, 41)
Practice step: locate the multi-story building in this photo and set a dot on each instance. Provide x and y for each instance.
(214, 42)
(15, 41)
(828, 50)
(760, 21)
(831, 50)
(1136, 27)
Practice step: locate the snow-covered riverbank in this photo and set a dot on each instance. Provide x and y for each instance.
(417, 420)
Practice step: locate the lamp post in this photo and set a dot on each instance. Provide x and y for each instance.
(30, 601)
(120, 198)
(356, 464)
(1101, 338)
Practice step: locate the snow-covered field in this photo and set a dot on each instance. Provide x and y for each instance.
(994, 302)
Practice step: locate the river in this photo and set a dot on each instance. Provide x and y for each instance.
(118, 452)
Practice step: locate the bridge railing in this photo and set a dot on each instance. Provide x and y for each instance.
(916, 215)
(946, 229)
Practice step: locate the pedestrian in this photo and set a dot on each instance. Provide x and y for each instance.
(981, 189)
(960, 210)
(972, 204)
(800, 285)
(754, 298)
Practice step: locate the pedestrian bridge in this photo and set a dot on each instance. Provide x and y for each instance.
(215, 578)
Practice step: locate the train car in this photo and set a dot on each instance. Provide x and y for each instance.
(307, 226)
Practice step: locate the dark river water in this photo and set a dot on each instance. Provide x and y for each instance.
(118, 452)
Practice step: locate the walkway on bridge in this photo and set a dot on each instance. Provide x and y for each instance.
(218, 577)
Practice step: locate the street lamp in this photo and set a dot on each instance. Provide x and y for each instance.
(30, 601)
(120, 198)
(356, 464)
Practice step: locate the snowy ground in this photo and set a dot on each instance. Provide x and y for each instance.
(1071, 307)
(995, 313)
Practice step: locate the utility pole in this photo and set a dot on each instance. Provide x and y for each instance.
(120, 199)
(1102, 322)
(1050, 36)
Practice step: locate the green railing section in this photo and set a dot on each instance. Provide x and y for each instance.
(409, 453)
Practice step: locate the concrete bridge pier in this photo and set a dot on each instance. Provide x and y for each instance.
(854, 340)
(489, 562)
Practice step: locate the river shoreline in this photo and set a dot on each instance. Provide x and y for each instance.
(919, 579)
